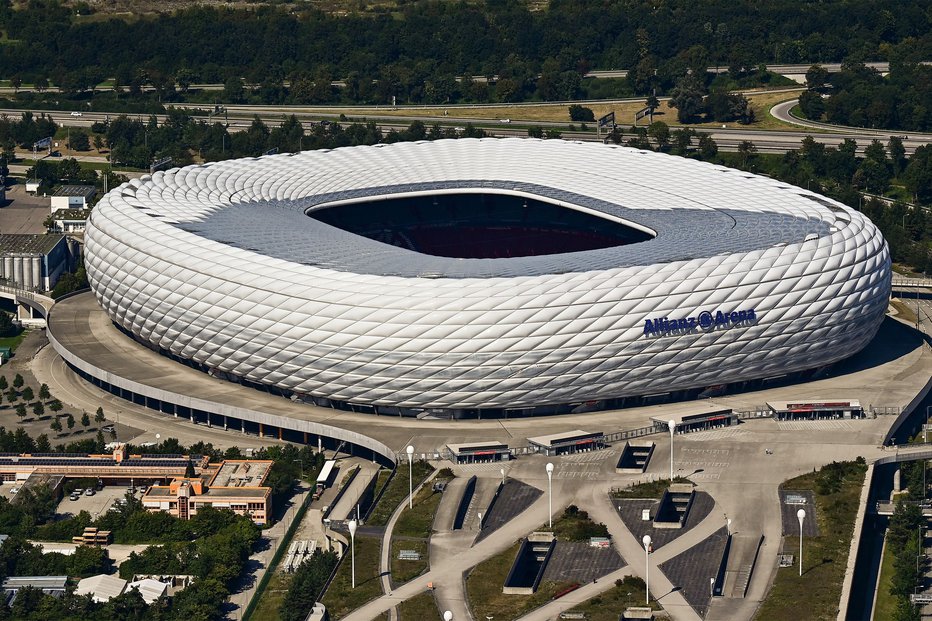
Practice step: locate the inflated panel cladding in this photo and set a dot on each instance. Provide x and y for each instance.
(486, 333)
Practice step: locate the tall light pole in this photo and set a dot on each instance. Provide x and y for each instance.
(502, 470)
(672, 425)
(352, 534)
(646, 542)
(801, 516)
(410, 451)
(550, 492)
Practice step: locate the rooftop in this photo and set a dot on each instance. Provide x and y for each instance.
(75, 190)
(72, 214)
(13, 243)
(242, 473)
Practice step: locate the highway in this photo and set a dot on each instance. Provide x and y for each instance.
(728, 139)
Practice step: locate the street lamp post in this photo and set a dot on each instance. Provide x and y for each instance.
(711, 587)
(646, 542)
(410, 451)
(352, 534)
(801, 516)
(550, 493)
(502, 470)
(672, 425)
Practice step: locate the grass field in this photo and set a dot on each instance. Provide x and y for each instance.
(484, 589)
(652, 489)
(421, 607)
(816, 594)
(272, 598)
(886, 602)
(397, 491)
(402, 571)
(903, 311)
(341, 598)
(523, 114)
(416, 522)
(605, 607)
(13, 341)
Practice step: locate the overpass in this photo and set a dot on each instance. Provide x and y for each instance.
(902, 282)
(31, 307)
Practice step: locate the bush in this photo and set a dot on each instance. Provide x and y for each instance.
(581, 113)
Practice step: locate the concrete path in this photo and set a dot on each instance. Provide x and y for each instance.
(347, 503)
(385, 561)
(453, 570)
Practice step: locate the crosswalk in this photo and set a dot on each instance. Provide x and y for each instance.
(815, 425)
(486, 467)
(590, 457)
(712, 434)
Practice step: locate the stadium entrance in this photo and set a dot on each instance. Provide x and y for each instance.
(478, 225)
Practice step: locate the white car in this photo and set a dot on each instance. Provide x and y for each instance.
(504, 120)
(76, 113)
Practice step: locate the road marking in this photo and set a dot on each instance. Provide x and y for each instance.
(818, 425)
(712, 434)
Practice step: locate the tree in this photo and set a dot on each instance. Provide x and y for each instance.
(79, 141)
(18, 381)
(688, 98)
(897, 154)
(98, 142)
(55, 405)
(21, 410)
(27, 394)
(70, 422)
(660, 132)
(812, 105)
(16, 81)
(56, 425)
(535, 131)
(41, 83)
(747, 151)
(37, 408)
(85, 421)
(3, 383)
(7, 327)
(872, 176)
(816, 77)
(12, 396)
(581, 113)
(99, 416)
(44, 393)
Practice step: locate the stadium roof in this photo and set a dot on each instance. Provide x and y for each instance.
(259, 207)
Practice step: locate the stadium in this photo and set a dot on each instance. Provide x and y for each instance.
(486, 277)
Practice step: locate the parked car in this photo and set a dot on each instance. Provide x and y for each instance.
(75, 496)
(15, 490)
(78, 491)
(89, 492)
(76, 113)
(107, 428)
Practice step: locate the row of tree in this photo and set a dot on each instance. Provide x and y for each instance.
(419, 51)
(861, 97)
(904, 541)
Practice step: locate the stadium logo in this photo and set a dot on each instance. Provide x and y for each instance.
(705, 320)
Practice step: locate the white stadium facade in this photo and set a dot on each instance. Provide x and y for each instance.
(486, 276)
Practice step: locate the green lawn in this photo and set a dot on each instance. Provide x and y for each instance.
(815, 595)
(417, 522)
(397, 491)
(484, 589)
(340, 598)
(576, 526)
(886, 601)
(402, 571)
(608, 605)
(421, 607)
(653, 489)
(272, 598)
(13, 341)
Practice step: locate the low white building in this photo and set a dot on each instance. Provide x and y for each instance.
(70, 220)
(150, 589)
(72, 197)
(102, 587)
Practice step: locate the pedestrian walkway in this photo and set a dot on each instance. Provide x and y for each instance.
(712, 434)
(815, 425)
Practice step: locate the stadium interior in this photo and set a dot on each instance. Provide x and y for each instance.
(478, 226)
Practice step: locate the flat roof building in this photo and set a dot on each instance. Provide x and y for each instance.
(812, 410)
(477, 452)
(150, 589)
(697, 422)
(236, 485)
(50, 585)
(72, 197)
(70, 220)
(567, 442)
(33, 261)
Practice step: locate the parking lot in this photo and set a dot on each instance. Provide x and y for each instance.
(96, 504)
